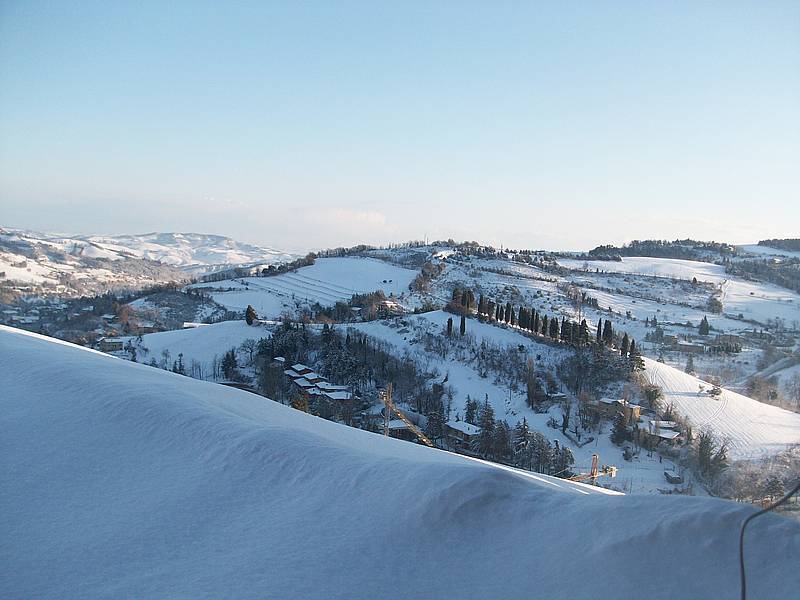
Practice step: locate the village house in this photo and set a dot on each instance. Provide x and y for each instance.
(652, 432)
(690, 348)
(609, 407)
(460, 434)
(107, 344)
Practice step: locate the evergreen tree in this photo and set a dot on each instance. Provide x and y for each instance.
(637, 362)
(541, 453)
(690, 365)
(654, 322)
(481, 305)
(704, 327)
(229, 364)
(463, 325)
(625, 347)
(513, 318)
(544, 325)
(536, 321)
(583, 335)
(563, 461)
(565, 332)
(449, 326)
(507, 312)
(435, 426)
(502, 450)
(522, 444)
(554, 328)
(600, 331)
(497, 315)
(250, 315)
(471, 411)
(487, 425)
(620, 431)
(608, 333)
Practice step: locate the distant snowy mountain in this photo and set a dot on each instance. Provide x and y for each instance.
(48, 263)
(122, 480)
(193, 252)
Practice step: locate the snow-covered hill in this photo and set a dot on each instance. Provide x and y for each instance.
(753, 429)
(326, 282)
(193, 252)
(126, 481)
(43, 264)
(46, 263)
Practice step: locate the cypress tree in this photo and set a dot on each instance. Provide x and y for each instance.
(463, 325)
(704, 327)
(536, 321)
(449, 326)
(507, 314)
(600, 331)
(544, 325)
(554, 328)
(608, 333)
(625, 345)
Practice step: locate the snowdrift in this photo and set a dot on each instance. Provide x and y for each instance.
(752, 428)
(120, 480)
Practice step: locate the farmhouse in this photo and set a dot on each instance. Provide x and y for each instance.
(107, 344)
(654, 432)
(609, 407)
(461, 434)
(690, 348)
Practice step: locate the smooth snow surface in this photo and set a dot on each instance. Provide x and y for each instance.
(124, 481)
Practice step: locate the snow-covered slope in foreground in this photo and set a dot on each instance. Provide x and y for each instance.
(752, 428)
(120, 480)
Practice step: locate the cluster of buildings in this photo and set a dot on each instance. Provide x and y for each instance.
(648, 430)
(311, 385)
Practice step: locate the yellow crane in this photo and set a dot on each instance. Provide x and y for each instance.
(595, 472)
(386, 396)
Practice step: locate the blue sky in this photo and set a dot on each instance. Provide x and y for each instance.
(305, 125)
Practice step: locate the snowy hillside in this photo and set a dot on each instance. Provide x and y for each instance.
(126, 481)
(326, 282)
(43, 264)
(753, 429)
(47, 263)
(752, 300)
(200, 346)
(193, 252)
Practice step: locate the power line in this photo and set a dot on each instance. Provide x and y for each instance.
(741, 535)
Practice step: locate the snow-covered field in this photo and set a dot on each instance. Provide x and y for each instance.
(326, 282)
(125, 481)
(751, 300)
(662, 267)
(200, 344)
(753, 429)
(767, 251)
